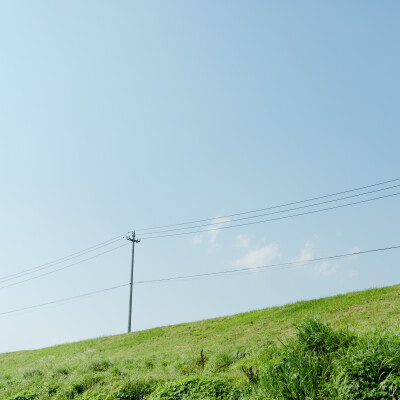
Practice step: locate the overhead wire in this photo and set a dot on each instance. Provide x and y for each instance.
(141, 230)
(228, 224)
(153, 235)
(62, 268)
(63, 300)
(270, 266)
(271, 219)
(210, 274)
(61, 260)
(218, 223)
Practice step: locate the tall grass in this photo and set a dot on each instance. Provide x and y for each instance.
(323, 363)
(319, 362)
(264, 354)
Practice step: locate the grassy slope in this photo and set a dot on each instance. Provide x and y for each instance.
(161, 352)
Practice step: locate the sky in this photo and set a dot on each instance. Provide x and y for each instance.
(119, 116)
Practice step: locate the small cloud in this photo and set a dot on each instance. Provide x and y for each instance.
(260, 257)
(326, 269)
(243, 241)
(355, 249)
(211, 231)
(215, 225)
(306, 253)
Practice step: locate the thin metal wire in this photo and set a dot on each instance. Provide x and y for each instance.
(271, 266)
(62, 268)
(61, 260)
(62, 300)
(271, 213)
(140, 231)
(272, 219)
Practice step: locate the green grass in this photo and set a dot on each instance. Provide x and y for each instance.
(237, 351)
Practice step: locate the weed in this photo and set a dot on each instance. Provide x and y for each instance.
(369, 370)
(62, 371)
(149, 364)
(202, 359)
(294, 373)
(99, 366)
(33, 373)
(25, 395)
(136, 390)
(197, 389)
(252, 374)
(321, 361)
(86, 383)
(322, 338)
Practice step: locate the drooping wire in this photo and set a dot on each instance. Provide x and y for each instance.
(270, 266)
(61, 260)
(270, 213)
(62, 268)
(204, 275)
(271, 219)
(98, 246)
(142, 230)
(63, 300)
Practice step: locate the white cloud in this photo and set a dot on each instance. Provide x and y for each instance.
(243, 241)
(355, 249)
(215, 225)
(260, 257)
(306, 253)
(326, 269)
(211, 231)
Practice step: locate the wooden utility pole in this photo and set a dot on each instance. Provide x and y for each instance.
(133, 239)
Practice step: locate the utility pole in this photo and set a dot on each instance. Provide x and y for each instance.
(133, 239)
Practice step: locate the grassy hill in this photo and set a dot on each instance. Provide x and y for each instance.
(235, 349)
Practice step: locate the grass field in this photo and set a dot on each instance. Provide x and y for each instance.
(231, 351)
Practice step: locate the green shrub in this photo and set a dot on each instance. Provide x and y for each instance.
(222, 360)
(149, 363)
(86, 383)
(370, 370)
(99, 366)
(197, 388)
(133, 390)
(322, 338)
(294, 373)
(188, 365)
(61, 372)
(25, 395)
(33, 373)
(117, 372)
(239, 355)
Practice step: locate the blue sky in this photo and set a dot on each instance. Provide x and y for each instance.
(116, 116)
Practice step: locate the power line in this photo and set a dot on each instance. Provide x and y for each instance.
(271, 266)
(61, 260)
(65, 299)
(120, 237)
(56, 262)
(62, 268)
(272, 219)
(140, 231)
(270, 213)
(210, 274)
